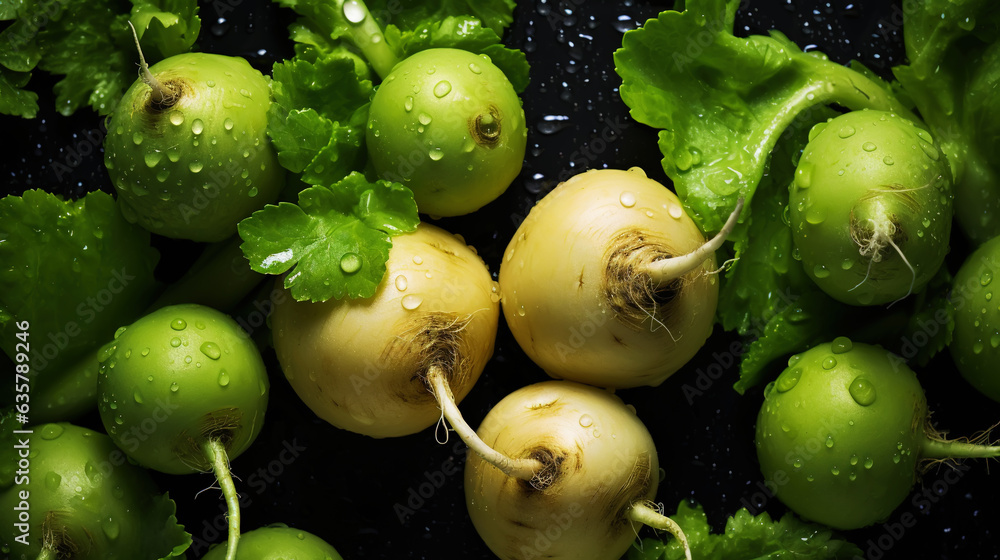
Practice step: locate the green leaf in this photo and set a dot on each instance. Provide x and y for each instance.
(165, 27)
(164, 537)
(9, 9)
(746, 537)
(75, 270)
(496, 15)
(14, 100)
(335, 242)
(722, 106)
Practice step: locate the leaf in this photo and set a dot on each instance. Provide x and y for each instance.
(721, 102)
(335, 242)
(164, 537)
(14, 100)
(165, 27)
(75, 270)
(496, 15)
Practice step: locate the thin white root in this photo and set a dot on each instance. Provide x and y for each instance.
(648, 513)
(524, 469)
(665, 270)
(159, 94)
(913, 273)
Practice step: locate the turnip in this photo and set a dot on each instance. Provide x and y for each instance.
(278, 542)
(871, 207)
(842, 431)
(570, 473)
(187, 149)
(609, 282)
(81, 499)
(975, 346)
(448, 124)
(182, 390)
(365, 364)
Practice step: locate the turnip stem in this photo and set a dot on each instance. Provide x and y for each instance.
(47, 553)
(937, 449)
(641, 512)
(216, 454)
(524, 469)
(368, 36)
(159, 94)
(665, 270)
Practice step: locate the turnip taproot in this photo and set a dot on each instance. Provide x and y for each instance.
(278, 542)
(871, 207)
(364, 364)
(187, 149)
(184, 390)
(609, 282)
(595, 471)
(447, 124)
(845, 426)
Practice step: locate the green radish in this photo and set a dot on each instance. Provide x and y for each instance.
(85, 501)
(975, 344)
(871, 207)
(187, 148)
(448, 124)
(278, 542)
(183, 390)
(844, 428)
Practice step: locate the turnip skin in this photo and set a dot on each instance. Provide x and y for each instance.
(553, 276)
(278, 542)
(975, 344)
(835, 459)
(194, 169)
(162, 394)
(606, 461)
(447, 124)
(355, 362)
(863, 170)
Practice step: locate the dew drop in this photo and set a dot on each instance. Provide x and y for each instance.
(869, 463)
(411, 302)
(111, 528)
(401, 283)
(820, 271)
(841, 345)
(435, 154)
(137, 396)
(350, 263)
(51, 431)
(417, 259)
(175, 342)
(627, 199)
(847, 264)
(586, 421)
(977, 347)
(829, 442)
(178, 324)
(846, 132)
(442, 88)
(144, 352)
(223, 378)
(52, 480)
(424, 119)
(835, 471)
(252, 192)
(211, 350)
(869, 147)
(862, 391)
(854, 460)
(475, 68)
(888, 160)
(408, 104)
(174, 387)
(228, 123)
(176, 118)
(797, 463)
(197, 126)
(196, 166)
(986, 278)
(830, 362)
(788, 379)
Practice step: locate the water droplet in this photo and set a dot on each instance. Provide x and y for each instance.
(252, 192)
(830, 362)
(145, 352)
(111, 528)
(586, 421)
(869, 147)
(442, 88)
(119, 420)
(675, 211)
(401, 283)
(862, 391)
(627, 199)
(820, 271)
(195, 166)
(788, 379)
(896, 458)
(174, 387)
(245, 92)
(424, 119)
(797, 463)
(869, 463)
(137, 396)
(475, 68)
(810, 478)
(435, 154)
(417, 259)
(408, 104)
(223, 378)
(930, 150)
(986, 278)
(136, 138)
(51, 431)
(846, 132)
(829, 441)
(835, 471)
(176, 118)
(854, 460)
(977, 347)
(211, 350)
(178, 324)
(228, 123)
(175, 342)
(847, 264)
(52, 480)
(841, 345)
(888, 160)
(210, 83)
(350, 263)
(197, 126)
(411, 302)
(803, 175)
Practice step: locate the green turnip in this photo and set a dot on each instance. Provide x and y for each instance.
(578, 473)
(447, 124)
(364, 365)
(187, 149)
(871, 207)
(609, 282)
(182, 390)
(278, 542)
(975, 345)
(843, 429)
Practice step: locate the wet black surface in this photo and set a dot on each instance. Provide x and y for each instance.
(359, 493)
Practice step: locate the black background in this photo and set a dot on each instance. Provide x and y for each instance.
(344, 487)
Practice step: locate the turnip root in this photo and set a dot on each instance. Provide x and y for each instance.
(596, 472)
(609, 282)
(365, 365)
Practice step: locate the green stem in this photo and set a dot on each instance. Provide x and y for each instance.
(367, 36)
(47, 554)
(220, 278)
(216, 454)
(641, 512)
(937, 449)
